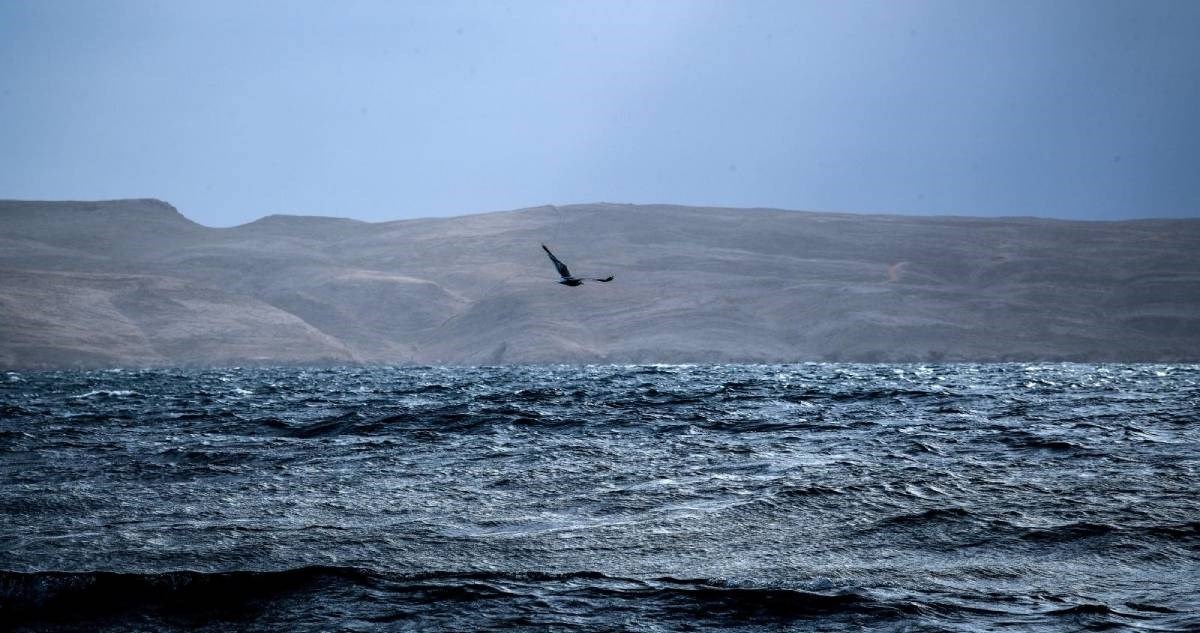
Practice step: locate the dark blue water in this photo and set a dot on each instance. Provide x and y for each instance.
(706, 498)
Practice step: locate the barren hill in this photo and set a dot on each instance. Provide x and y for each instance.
(135, 283)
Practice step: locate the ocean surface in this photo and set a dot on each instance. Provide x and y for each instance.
(811, 497)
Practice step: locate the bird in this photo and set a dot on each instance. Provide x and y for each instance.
(567, 278)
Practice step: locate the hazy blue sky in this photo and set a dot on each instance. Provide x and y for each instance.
(386, 110)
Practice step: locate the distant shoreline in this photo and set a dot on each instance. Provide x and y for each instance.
(134, 283)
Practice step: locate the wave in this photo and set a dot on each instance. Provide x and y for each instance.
(1069, 532)
(446, 418)
(1020, 439)
(13, 411)
(984, 528)
(324, 597)
(314, 597)
(1127, 534)
(107, 393)
(87, 594)
(934, 515)
(23, 592)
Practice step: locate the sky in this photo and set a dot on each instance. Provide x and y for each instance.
(389, 110)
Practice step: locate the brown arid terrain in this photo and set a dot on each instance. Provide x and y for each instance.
(134, 283)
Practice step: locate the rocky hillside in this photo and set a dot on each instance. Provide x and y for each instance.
(135, 283)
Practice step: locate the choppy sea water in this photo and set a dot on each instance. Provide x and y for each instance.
(639, 498)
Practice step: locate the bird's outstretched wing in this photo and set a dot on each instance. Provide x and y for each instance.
(608, 278)
(562, 268)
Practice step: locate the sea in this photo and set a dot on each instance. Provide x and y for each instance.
(807, 497)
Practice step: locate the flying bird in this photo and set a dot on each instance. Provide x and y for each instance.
(567, 278)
